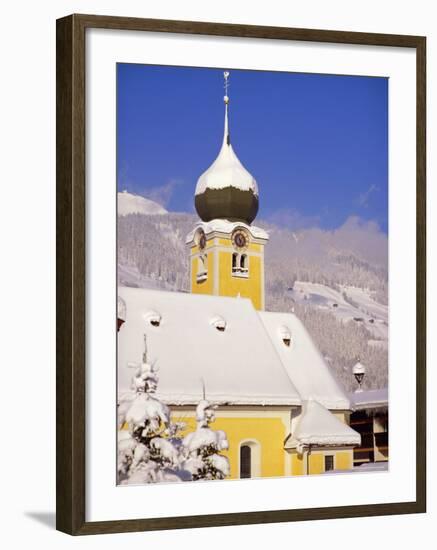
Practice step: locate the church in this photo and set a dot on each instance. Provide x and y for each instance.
(277, 401)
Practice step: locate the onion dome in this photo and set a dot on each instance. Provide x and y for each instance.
(227, 190)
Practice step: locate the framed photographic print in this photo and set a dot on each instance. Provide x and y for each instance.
(240, 274)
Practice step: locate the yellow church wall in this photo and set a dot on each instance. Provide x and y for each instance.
(343, 460)
(253, 247)
(206, 286)
(220, 250)
(266, 431)
(195, 249)
(249, 287)
(297, 465)
(316, 463)
(227, 243)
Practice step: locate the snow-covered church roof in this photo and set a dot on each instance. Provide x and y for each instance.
(318, 426)
(304, 363)
(225, 344)
(201, 341)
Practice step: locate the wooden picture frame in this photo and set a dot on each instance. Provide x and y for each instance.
(71, 254)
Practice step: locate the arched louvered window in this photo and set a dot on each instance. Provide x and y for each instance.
(245, 462)
(202, 267)
(243, 262)
(234, 262)
(240, 265)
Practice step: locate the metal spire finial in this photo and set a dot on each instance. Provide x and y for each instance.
(226, 75)
(227, 137)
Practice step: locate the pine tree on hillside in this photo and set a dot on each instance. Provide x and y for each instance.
(203, 446)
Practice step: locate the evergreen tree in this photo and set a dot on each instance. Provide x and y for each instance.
(202, 447)
(150, 446)
(148, 450)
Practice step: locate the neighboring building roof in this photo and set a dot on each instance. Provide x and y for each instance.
(369, 399)
(305, 365)
(237, 365)
(318, 426)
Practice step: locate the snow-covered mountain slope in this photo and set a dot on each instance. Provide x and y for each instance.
(309, 270)
(349, 303)
(154, 246)
(135, 204)
(130, 276)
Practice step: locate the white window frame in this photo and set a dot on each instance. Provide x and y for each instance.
(255, 457)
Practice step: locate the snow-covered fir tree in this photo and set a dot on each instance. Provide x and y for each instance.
(202, 448)
(148, 450)
(151, 448)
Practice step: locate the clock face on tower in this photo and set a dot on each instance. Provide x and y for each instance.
(240, 239)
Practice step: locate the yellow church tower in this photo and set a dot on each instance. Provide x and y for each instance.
(226, 250)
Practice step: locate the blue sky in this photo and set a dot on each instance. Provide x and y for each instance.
(316, 144)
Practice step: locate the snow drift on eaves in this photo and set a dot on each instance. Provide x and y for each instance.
(317, 426)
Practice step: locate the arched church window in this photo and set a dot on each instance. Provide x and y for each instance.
(245, 462)
(235, 266)
(250, 459)
(240, 265)
(202, 267)
(243, 263)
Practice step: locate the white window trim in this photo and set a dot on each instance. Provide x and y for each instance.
(239, 271)
(255, 457)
